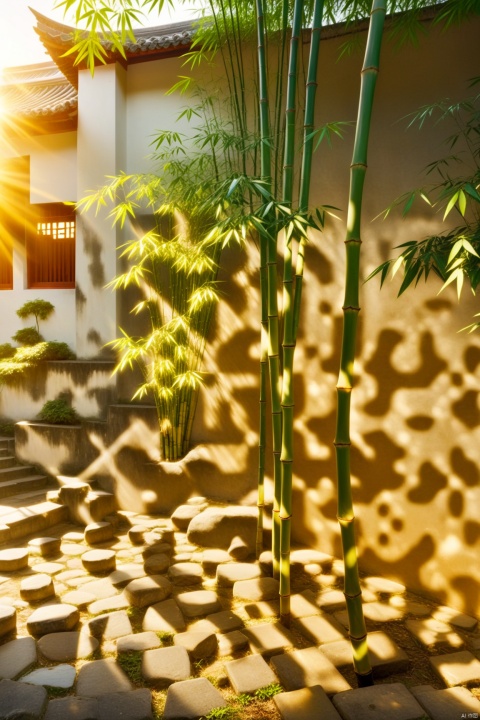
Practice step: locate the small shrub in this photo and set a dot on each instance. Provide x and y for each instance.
(40, 309)
(58, 412)
(27, 336)
(44, 351)
(6, 351)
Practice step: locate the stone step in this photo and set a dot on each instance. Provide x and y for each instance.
(19, 471)
(22, 484)
(32, 519)
(7, 460)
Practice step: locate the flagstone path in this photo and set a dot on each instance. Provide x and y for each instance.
(129, 618)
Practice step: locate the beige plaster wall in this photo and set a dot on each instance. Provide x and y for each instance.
(415, 410)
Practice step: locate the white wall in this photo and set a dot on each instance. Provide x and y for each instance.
(52, 179)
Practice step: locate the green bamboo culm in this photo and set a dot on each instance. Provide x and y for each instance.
(307, 156)
(262, 436)
(269, 236)
(345, 514)
(288, 343)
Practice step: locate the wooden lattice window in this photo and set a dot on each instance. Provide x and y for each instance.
(51, 246)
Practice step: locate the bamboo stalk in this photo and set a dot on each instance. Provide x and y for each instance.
(287, 402)
(263, 398)
(351, 308)
(273, 345)
(307, 155)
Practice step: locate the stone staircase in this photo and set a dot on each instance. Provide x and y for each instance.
(24, 508)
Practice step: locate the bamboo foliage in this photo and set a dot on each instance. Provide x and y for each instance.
(351, 309)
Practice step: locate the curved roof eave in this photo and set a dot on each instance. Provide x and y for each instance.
(158, 41)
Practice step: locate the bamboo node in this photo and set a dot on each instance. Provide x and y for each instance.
(354, 637)
(353, 240)
(351, 307)
(342, 444)
(285, 517)
(358, 165)
(352, 597)
(369, 69)
(345, 521)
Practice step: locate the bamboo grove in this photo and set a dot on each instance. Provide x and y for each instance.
(255, 185)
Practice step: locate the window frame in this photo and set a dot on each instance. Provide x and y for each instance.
(54, 214)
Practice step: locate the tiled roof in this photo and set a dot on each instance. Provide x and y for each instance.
(158, 41)
(36, 91)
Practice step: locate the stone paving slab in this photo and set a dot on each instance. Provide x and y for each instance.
(148, 590)
(434, 634)
(36, 588)
(198, 603)
(16, 656)
(269, 639)
(239, 549)
(98, 677)
(60, 676)
(72, 707)
(78, 598)
(126, 573)
(381, 612)
(331, 600)
(310, 703)
(409, 607)
(260, 610)
(303, 604)
(115, 602)
(13, 559)
(99, 561)
(102, 589)
(385, 655)
(183, 515)
(230, 573)
(319, 628)
(447, 704)
(109, 626)
(50, 568)
(198, 644)
(192, 699)
(185, 573)
(164, 617)
(133, 705)
(459, 668)
(165, 666)
(455, 618)
(383, 586)
(220, 622)
(21, 701)
(156, 564)
(65, 646)
(256, 590)
(306, 668)
(137, 642)
(380, 702)
(307, 556)
(231, 643)
(53, 618)
(249, 674)
(44, 546)
(8, 619)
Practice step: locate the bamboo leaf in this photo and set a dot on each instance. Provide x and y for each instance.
(451, 204)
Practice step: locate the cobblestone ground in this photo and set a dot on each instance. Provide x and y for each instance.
(129, 619)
